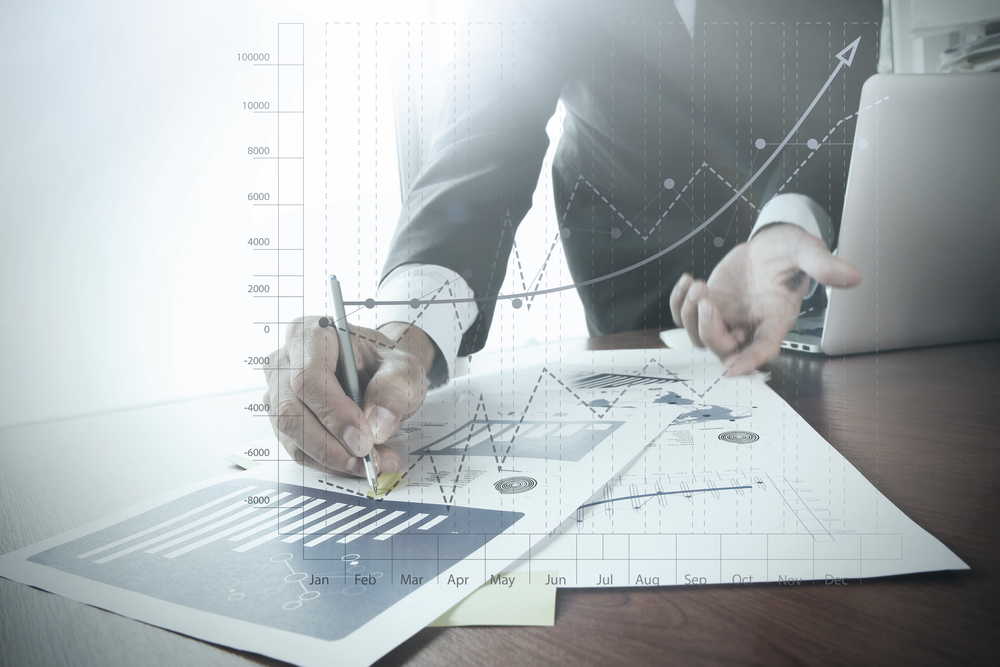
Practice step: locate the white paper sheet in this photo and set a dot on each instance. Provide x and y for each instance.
(739, 490)
(300, 566)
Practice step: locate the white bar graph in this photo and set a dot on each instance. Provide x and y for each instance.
(337, 531)
(277, 529)
(317, 520)
(225, 533)
(212, 527)
(169, 522)
(261, 515)
(329, 522)
(433, 522)
(319, 524)
(403, 526)
(177, 531)
(284, 510)
(378, 523)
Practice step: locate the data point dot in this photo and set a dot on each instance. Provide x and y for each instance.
(565, 232)
(718, 242)
(323, 322)
(669, 184)
(414, 303)
(862, 144)
(516, 303)
(369, 303)
(760, 143)
(615, 232)
(466, 273)
(812, 144)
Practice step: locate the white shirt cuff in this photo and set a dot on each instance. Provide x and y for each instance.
(799, 210)
(444, 323)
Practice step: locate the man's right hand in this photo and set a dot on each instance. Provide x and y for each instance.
(316, 422)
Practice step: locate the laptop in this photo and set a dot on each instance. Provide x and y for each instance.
(921, 219)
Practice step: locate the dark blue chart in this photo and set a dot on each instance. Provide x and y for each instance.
(310, 561)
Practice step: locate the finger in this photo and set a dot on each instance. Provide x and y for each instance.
(677, 296)
(765, 346)
(713, 331)
(689, 310)
(394, 393)
(315, 384)
(819, 264)
(386, 460)
(742, 335)
(299, 430)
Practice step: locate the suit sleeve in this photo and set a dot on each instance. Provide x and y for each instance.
(486, 155)
(816, 161)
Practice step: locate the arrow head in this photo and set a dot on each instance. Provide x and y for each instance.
(847, 55)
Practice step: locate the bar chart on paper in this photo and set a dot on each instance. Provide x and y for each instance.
(281, 555)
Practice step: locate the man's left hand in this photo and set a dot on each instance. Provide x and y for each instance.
(753, 296)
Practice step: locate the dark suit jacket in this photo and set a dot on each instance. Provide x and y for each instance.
(644, 102)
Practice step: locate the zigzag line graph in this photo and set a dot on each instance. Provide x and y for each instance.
(844, 58)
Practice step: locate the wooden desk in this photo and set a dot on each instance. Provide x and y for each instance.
(922, 425)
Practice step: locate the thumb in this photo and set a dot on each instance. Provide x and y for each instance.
(394, 393)
(824, 268)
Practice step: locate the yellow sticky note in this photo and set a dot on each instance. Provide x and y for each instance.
(387, 481)
(506, 599)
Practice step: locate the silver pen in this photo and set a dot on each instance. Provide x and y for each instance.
(349, 368)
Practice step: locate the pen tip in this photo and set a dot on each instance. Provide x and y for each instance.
(333, 277)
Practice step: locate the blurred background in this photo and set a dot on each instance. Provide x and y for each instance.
(126, 254)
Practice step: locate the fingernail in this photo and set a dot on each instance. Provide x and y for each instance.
(387, 463)
(382, 422)
(704, 310)
(354, 466)
(356, 440)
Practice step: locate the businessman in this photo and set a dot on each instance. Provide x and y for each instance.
(669, 105)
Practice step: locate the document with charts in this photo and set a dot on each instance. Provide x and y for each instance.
(303, 567)
(739, 489)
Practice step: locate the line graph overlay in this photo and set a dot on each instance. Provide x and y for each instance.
(261, 579)
(844, 58)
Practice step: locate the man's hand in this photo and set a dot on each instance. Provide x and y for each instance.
(753, 296)
(316, 422)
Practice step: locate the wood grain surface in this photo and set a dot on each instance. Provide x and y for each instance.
(922, 425)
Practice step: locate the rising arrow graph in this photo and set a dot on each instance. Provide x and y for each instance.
(844, 59)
